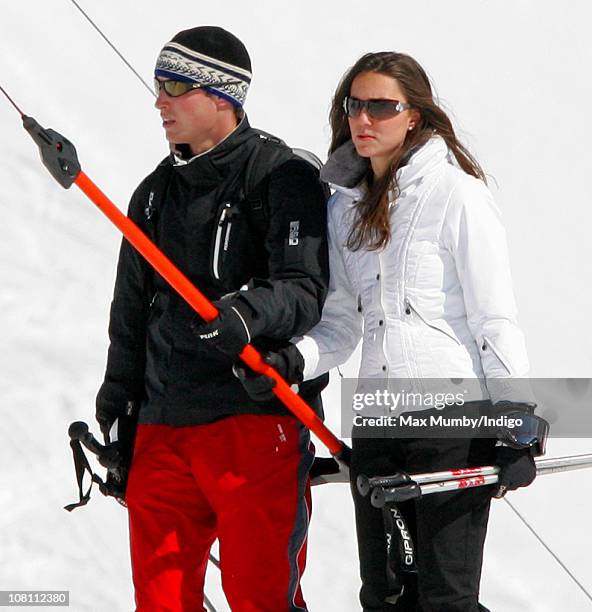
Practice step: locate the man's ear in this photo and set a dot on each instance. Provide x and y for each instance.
(222, 103)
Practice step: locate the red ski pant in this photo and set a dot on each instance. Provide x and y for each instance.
(243, 480)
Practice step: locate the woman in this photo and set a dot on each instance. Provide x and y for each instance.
(419, 271)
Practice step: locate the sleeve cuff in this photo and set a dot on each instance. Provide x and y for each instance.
(510, 390)
(310, 353)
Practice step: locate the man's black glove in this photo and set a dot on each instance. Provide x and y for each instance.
(229, 332)
(111, 456)
(116, 456)
(517, 469)
(108, 410)
(289, 364)
(107, 413)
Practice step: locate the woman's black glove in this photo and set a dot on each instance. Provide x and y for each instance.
(289, 364)
(517, 469)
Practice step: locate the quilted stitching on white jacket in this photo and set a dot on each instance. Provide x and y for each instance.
(437, 302)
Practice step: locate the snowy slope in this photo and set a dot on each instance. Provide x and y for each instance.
(514, 75)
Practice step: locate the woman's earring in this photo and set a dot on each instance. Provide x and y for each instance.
(410, 127)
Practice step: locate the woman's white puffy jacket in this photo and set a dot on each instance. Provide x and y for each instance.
(437, 301)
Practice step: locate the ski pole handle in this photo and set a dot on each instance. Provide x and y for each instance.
(79, 431)
(365, 483)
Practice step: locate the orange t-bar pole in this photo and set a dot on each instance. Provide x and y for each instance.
(59, 156)
(200, 303)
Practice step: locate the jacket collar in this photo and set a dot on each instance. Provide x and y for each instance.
(345, 170)
(422, 162)
(214, 166)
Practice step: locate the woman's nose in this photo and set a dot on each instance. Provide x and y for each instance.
(364, 118)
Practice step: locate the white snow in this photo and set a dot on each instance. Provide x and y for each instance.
(515, 76)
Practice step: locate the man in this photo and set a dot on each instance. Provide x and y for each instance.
(244, 219)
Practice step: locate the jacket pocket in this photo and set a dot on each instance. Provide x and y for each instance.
(409, 308)
(487, 343)
(234, 251)
(221, 242)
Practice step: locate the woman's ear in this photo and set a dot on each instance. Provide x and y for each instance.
(414, 118)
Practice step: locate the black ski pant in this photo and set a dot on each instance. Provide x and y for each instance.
(448, 529)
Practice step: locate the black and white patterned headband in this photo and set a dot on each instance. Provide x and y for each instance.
(225, 80)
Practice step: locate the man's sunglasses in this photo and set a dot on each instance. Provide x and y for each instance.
(178, 88)
(376, 109)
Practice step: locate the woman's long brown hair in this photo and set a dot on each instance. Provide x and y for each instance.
(371, 228)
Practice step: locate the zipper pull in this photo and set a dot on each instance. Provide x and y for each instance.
(407, 306)
(231, 211)
(222, 217)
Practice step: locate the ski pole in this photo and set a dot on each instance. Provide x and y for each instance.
(365, 484)
(419, 485)
(543, 464)
(59, 156)
(381, 496)
(552, 465)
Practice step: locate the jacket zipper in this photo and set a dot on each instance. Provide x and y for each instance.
(488, 343)
(227, 237)
(222, 239)
(410, 307)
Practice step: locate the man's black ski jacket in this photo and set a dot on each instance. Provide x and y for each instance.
(197, 214)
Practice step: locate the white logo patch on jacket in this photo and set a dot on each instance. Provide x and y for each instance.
(294, 231)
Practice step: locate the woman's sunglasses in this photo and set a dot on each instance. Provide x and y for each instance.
(376, 109)
(178, 88)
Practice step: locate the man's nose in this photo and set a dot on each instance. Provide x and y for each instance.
(161, 100)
